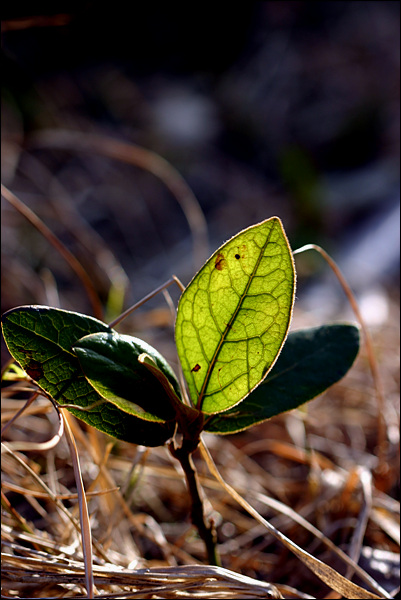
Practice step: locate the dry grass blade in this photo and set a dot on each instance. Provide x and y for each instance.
(306, 472)
(333, 579)
(86, 534)
(18, 413)
(387, 523)
(48, 491)
(59, 246)
(381, 426)
(191, 581)
(359, 532)
(141, 302)
(351, 562)
(92, 250)
(35, 494)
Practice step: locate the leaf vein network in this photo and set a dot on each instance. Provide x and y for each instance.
(241, 298)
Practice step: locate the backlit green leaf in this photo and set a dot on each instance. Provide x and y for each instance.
(311, 361)
(41, 339)
(234, 316)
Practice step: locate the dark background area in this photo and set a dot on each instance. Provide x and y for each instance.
(265, 108)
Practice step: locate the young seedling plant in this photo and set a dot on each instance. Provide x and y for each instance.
(240, 364)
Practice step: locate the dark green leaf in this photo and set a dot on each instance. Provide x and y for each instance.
(41, 339)
(110, 363)
(311, 361)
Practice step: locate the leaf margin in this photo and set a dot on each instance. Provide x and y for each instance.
(133, 429)
(231, 415)
(214, 258)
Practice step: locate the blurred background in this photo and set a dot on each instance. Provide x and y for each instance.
(264, 108)
(144, 135)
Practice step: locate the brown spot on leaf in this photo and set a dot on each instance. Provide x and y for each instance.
(196, 368)
(23, 351)
(220, 262)
(34, 370)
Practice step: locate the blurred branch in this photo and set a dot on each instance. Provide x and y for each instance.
(144, 159)
(59, 246)
(35, 21)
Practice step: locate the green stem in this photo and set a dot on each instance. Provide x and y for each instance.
(206, 529)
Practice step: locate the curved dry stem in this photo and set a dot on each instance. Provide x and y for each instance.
(173, 312)
(19, 413)
(178, 282)
(85, 235)
(145, 159)
(377, 382)
(131, 309)
(37, 446)
(59, 246)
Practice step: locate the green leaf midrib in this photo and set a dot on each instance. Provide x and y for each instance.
(229, 324)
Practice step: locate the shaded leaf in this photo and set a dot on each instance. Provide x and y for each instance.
(184, 414)
(110, 363)
(234, 316)
(41, 339)
(311, 361)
